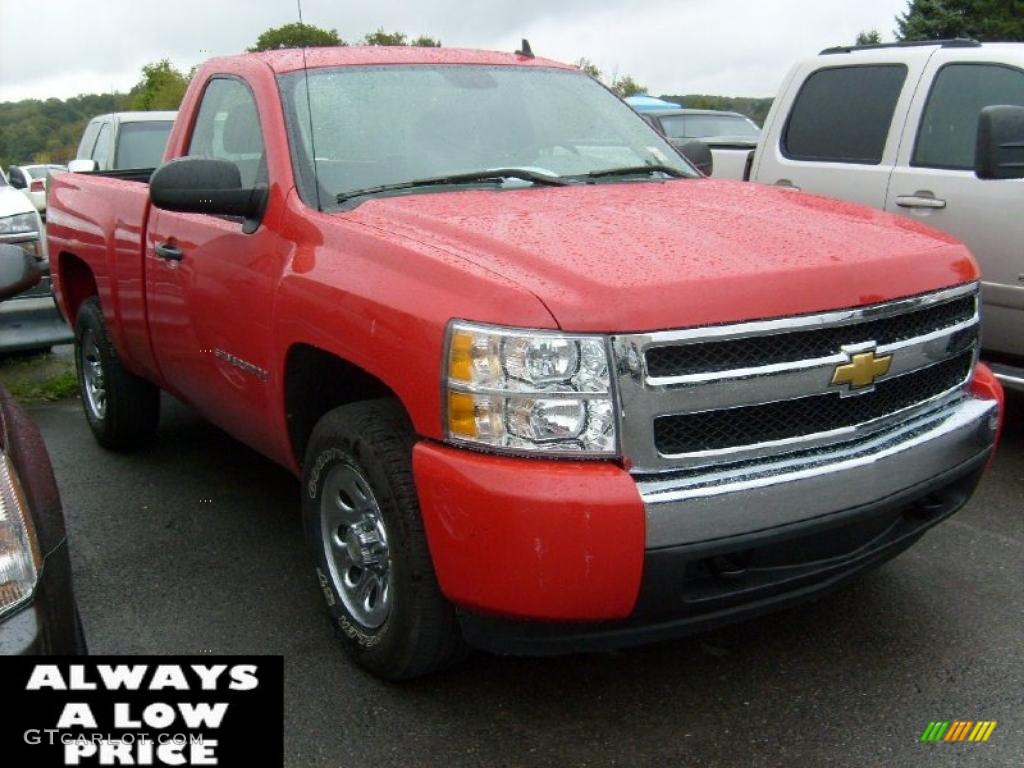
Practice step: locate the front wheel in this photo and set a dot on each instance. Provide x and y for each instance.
(362, 518)
(122, 410)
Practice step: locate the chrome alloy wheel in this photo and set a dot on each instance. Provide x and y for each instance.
(94, 380)
(355, 544)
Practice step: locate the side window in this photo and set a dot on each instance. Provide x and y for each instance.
(88, 141)
(101, 152)
(843, 114)
(228, 128)
(949, 126)
(16, 179)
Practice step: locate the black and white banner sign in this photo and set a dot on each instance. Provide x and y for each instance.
(142, 710)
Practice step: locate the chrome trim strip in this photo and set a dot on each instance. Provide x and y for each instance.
(818, 362)
(693, 507)
(807, 322)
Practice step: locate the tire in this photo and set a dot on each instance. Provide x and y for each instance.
(122, 409)
(362, 518)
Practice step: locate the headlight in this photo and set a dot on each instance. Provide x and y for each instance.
(528, 391)
(20, 225)
(20, 559)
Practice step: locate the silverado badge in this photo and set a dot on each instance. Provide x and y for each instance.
(859, 375)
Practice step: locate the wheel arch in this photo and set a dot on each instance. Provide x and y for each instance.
(76, 281)
(317, 381)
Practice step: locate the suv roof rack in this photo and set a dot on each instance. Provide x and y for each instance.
(956, 42)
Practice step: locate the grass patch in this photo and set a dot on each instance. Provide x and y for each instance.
(59, 387)
(40, 378)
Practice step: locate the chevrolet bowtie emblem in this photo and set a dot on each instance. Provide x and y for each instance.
(862, 370)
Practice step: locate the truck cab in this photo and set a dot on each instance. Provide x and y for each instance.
(123, 140)
(895, 126)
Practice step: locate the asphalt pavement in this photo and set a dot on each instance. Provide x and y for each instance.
(195, 545)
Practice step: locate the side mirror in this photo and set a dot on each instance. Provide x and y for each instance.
(999, 153)
(204, 185)
(83, 165)
(19, 271)
(698, 153)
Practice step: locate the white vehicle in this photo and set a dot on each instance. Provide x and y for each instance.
(32, 179)
(729, 135)
(123, 141)
(933, 131)
(29, 321)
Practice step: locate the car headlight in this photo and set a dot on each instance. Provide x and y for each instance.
(20, 559)
(20, 225)
(528, 391)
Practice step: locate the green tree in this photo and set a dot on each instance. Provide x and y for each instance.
(589, 67)
(870, 37)
(161, 87)
(426, 41)
(625, 85)
(296, 35)
(944, 19)
(380, 37)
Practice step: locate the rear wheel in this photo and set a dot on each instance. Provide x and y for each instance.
(122, 409)
(362, 519)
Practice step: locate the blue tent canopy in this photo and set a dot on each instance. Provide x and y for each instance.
(649, 104)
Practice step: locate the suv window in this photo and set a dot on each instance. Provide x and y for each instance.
(141, 144)
(228, 128)
(101, 152)
(88, 140)
(949, 125)
(843, 114)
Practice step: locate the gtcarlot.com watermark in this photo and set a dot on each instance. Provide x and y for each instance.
(128, 748)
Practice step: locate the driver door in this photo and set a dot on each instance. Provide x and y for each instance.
(210, 286)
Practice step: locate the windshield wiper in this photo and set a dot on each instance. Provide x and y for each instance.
(491, 174)
(634, 170)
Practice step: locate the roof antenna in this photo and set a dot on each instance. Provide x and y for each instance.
(526, 50)
(309, 111)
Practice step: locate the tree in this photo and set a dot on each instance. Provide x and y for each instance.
(626, 86)
(870, 37)
(426, 41)
(296, 35)
(944, 19)
(589, 67)
(380, 37)
(161, 87)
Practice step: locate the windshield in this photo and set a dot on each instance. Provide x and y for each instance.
(141, 144)
(385, 125)
(701, 126)
(40, 171)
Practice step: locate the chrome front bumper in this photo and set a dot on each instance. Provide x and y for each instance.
(703, 505)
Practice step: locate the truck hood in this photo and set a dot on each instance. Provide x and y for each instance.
(641, 256)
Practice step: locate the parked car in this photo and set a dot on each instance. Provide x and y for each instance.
(897, 127)
(28, 322)
(38, 614)
(123, 141)
(31, 179)
(546, 387)
(644, 103)
(729, 135)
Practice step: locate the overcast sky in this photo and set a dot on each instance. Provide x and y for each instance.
(741, 48)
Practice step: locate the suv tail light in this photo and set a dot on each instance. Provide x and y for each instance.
(37, 185)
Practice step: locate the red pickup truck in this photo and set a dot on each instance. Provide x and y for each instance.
(545, 386)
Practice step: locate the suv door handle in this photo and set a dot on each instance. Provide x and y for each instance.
(169, 252)
(919, 201)
(786, 184)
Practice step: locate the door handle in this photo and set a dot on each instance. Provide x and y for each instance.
(787, 184)
(920, 201)
(169, 252)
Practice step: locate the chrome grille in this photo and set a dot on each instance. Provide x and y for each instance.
(716, 430)
(701, 396)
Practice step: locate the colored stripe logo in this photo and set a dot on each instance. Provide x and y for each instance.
(958, 730)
